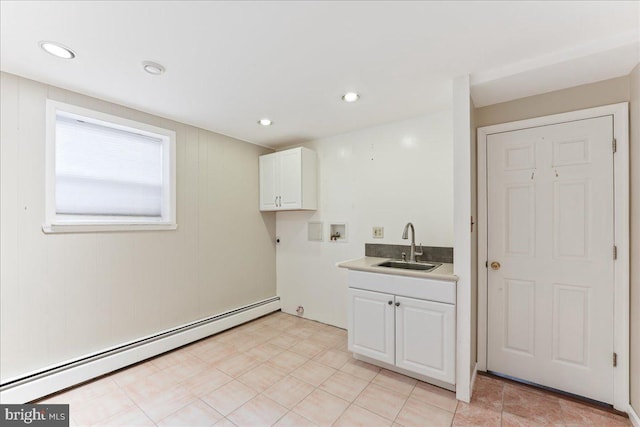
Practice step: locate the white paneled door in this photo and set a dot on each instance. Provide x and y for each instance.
(550, 253)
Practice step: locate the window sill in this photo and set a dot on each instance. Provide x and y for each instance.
(93, 228)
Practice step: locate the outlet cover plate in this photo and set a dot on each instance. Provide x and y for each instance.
(378, 232)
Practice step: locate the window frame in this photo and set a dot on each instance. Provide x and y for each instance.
(60, 223)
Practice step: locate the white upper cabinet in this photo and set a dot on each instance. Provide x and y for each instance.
(288, 180)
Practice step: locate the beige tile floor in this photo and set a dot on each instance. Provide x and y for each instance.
(286, 371)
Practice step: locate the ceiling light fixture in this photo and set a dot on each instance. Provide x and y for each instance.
(265, 122)
(58, 50)
(350, 97)
(152, 68)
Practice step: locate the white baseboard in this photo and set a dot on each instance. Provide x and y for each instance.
(69, 374)
(633, 417)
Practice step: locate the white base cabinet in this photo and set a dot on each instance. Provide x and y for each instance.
(413, 334)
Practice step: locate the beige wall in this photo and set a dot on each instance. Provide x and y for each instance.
(66, 295)
(576, 98)
(634, 123)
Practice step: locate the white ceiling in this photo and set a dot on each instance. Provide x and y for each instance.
(230, 63)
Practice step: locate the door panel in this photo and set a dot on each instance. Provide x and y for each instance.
(519, 315)
(571, 219)
(550, 226)
(520, 216)
(571, 325)
(371, 324)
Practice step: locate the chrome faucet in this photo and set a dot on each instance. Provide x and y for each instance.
(413, 253)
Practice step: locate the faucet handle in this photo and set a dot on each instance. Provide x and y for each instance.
(421, 250)
(404, 256)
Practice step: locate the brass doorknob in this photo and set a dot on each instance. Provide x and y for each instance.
(495, 265)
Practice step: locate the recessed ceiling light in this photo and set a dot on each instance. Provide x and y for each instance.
(153, 68)
(265, 122)
(56, 49)
(350, 97)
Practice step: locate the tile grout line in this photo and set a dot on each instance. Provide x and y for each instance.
(502, 405)
(356, 398)
(395, 420)
(304, 333)
(302, 416)
(135, 404)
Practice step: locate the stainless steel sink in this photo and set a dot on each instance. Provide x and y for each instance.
(421, 266)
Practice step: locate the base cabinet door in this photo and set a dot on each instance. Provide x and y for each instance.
(371, 324)
(425, 338)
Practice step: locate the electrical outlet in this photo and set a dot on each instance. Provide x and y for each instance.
(378, 232)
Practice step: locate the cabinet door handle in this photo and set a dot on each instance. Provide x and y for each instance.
(280, 201)
(397, 304)
(390, 302)
(275, 202)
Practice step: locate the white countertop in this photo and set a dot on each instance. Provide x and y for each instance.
(443, 272)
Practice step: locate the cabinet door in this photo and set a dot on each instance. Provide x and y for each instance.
(425, 338)
(370, 324)
(290, 175)
(269, 182)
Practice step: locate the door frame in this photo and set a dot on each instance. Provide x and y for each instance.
(620, 113)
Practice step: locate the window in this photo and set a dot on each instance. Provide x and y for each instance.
(106, 173)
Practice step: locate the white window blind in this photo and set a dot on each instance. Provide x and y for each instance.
(100, 170)
(107, 173)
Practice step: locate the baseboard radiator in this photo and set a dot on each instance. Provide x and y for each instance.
(64, 375)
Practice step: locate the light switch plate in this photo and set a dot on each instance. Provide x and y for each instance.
(378, 232)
